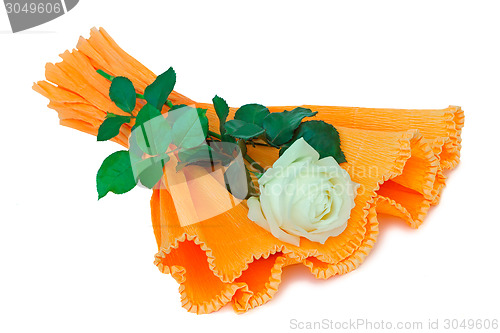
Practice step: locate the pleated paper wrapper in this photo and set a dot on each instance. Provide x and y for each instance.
(398, 157)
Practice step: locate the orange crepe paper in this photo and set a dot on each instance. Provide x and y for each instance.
(398, 157)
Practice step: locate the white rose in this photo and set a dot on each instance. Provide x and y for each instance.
(303, 196)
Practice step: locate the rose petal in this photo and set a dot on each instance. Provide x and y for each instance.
(256, 215)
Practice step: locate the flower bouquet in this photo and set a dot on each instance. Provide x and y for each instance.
(240, 193)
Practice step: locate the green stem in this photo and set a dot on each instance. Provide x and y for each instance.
(105, 75)
(215, 135)
(254, 164)
(145, 136)
(257, 174)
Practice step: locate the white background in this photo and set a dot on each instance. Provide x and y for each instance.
(71, 264)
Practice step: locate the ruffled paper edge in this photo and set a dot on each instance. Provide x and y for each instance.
(455, 119)
(432, 185)
(243, 298)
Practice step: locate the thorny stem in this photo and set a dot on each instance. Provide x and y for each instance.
(105, 75)
(254, 164)
(215, 135)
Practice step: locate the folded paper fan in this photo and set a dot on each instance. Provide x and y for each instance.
(397, 156)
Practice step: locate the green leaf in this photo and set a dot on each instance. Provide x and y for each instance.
(122, 93)
(203, 155)
(157, 92)
(322, 136)
(221, 108)
(173, 115)
(153, 171)
(200, 153)
(153, 136)
(147, 113)
(110, 127)
(239, 182)
(252, 113)
(115, 174)
(135, 151)
(190, 127)
(227, 138)
(243, 130)
(280, 126)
